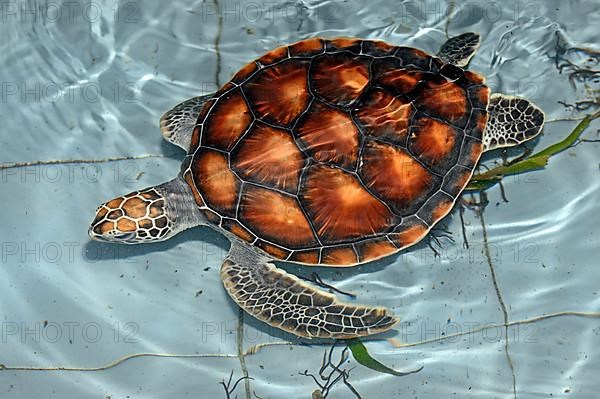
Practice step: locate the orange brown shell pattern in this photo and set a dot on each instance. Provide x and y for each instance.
(338, 151)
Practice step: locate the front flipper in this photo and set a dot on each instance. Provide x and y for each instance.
(459, 50)
(283, 301)
(178, 123)
(511, 121)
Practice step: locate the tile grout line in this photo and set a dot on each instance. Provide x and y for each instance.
(240, 350)
(218, 43)
(15, 165)
(500, 300)
(258, 347)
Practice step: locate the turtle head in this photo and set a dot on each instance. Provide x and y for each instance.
(137, 217)
(153, 214)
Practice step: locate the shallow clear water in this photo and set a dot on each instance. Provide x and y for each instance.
(88, 81)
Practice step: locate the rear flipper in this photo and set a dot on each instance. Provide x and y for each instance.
(459, 50)
(178, 123)
(511, 121)
(283, 301)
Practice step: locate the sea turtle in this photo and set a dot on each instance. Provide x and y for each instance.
(330, 152)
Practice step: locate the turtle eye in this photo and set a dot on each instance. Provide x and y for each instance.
(124, 236)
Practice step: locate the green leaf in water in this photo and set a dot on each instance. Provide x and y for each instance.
(362, 356)
(539, 160)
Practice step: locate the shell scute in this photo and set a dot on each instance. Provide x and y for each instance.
(276, 217)
(378, 48)
(456, 179)
(344, 43)
(470, 152)
(228, 121)
(374, 249)
(477, 123)
(310, 256)
(244, 73)
(400, 81)
(409, 232)
(339, 256)
(329, 135)
(479, 96)
(341, 207)
(280, 92)
(413, 57)
(396, 177)
(273, 56)
(435, 143)
(444, 99)
(217, 183)
(270, 156)
(278, 252)
(339, 79)
(436, 207)
(307, 47)
(384, 116)
(233, 226)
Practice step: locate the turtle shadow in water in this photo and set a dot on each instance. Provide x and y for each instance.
(98, 251)
(172, 152)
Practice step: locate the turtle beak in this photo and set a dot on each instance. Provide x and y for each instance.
(111, 236)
